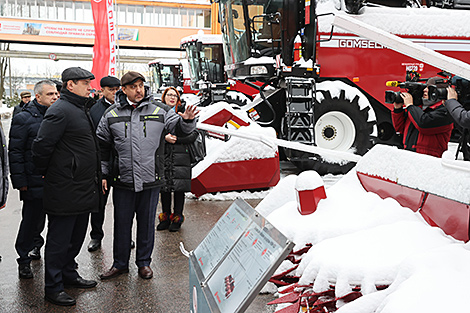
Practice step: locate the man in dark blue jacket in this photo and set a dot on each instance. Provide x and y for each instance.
(24, 128)
(109, 86)
(65, 151)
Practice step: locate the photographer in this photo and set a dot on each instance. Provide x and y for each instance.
(426, 127)
(461, 116)
(456, 110)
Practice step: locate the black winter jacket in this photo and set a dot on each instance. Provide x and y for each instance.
(97, 111)
(17, 109)
(66, 152)
(178, 163)
(24, 128)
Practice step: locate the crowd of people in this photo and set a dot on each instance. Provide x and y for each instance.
(65, 152)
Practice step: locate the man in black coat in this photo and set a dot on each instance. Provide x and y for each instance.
(66, 152)
(109, 86)
(461, 117)
(24, 128)
(25, 97)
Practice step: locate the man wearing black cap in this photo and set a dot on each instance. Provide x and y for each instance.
(65, 151)
(131, 130)
(426, 127)
(109, 86)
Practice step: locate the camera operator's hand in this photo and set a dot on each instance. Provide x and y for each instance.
(407, 99)
(397, 105)
(451, 93)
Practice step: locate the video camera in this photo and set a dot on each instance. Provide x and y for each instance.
(461, 85)
(414, 88)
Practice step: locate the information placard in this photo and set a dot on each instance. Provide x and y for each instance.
(223, 236)
(251, 249)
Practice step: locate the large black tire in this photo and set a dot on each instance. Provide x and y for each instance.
(340, 124)
(236, 99)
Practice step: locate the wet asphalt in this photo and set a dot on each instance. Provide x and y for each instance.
(167, 291)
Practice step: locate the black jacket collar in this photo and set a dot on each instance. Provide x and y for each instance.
(42, 108)
(75, 99)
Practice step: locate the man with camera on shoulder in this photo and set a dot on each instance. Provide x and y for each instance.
(426, 127)
(461, 117)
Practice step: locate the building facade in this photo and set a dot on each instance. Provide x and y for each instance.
(141, 23)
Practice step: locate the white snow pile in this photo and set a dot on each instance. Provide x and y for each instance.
(420, 171)
(400, 21)
(308, 180)
(360, 239)
(236, 148)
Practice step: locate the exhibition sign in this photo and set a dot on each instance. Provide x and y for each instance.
(235, 260)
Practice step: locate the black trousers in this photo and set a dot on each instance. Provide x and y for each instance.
(143, 205)
(178, 199)
(64, 240)
(97, 219)
(29, 232)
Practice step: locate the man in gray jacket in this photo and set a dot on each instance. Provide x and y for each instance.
(131, 142)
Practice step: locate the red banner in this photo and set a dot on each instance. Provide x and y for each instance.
(104, 49)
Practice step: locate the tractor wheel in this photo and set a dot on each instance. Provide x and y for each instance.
(341, 125)
(236, 99)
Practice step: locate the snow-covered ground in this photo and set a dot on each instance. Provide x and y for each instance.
(360, 239)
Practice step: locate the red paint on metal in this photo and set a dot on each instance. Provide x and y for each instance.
(237, 175)
(222, 117)
(450, 215)
(307, 200)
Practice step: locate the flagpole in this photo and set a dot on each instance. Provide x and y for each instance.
(116, 10)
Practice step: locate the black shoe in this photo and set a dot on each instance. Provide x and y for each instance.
(176, 222)
(60, 298)
(94, 245)
(35, 254)
(174, 227)
(163, 225)
(132, 244)
(24, 271)
(80, 283)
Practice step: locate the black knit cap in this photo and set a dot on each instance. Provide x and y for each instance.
(110, 81)
(131, 77)
(76, 73)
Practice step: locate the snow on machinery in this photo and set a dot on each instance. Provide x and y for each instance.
(340, 107)
(206, 69)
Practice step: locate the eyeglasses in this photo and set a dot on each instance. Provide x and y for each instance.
(171, 96)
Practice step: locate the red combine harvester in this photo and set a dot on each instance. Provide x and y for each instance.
(333, 96)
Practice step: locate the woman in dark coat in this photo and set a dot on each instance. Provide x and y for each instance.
(177, 169)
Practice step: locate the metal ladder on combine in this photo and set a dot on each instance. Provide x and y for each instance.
(299, 118)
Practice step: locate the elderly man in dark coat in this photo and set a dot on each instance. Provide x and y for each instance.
(24, 128)
(66, 153)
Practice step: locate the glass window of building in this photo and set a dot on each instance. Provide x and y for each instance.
(138, 15)
(125, 14)
(149, 15)
(70, 11)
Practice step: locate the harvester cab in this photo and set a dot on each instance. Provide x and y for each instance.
(206, 66)
(165, 73)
